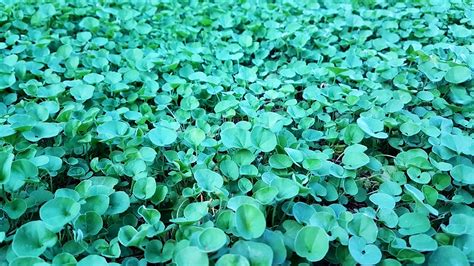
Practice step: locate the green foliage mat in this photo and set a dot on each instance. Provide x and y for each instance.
(236, 132)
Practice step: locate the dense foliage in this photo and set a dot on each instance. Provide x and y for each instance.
(236, 132)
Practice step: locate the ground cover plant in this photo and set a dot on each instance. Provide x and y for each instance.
(243, 132)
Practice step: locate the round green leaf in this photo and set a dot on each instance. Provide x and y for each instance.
(448, 255)
(162, 136)
(256, 253)
(354, 157)
(363, 253)
(353, 134)
(119, 203)
(463, 174)
(232, 260)
(160, 194)
(372, 127)
(21, 171)
(190, 256)
(195, 136)
(89, 223)
(363, 226)
(130, 237)
(42, 130)
(6, 130)
(89, 23)
(312, 243)
(15, 208)
(64, 259)
(196, 210)
(95, 260)
(150, 215)
(458, 74)
(275, 239)
(28, 261)
(266, 195)
(155, 252)
(32, 239)
(466, 244)
(225, 105)
(229, 168)
(208, 180)
(383, 200)
(93, 78)
(263, 139)
(235, 138)
(6, 160)
(59, 211)
(388, 216)
(423, 242)
(410, 128)
(280, 161)
(144, 188)
(211, 239)
(287, 188)
(112, 129)
(412, 223)
(82, 92)
(249, 221)
(295, 155)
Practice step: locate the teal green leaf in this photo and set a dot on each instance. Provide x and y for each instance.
(466, 244)
(65, 259)
(232, 260)
(195, 136)
(59, 211)
(28, 261)
(42, 131)
(287, 188)
(208, 180)
(190, 256)
(354, 157)
(130, 237)
(255, 252)
(275, 239)
(249, 221)
(373, 127)
(82, 92)
(95, 260)
(412, 223)
(6, 130)
(32, 239)
(15, 208)
(162, 136)
(22, 170)
(89, 223)
(236, 138)
(211, 239)
(423, 243)
(156, 252)
(280, 161)
(463, 173)
(448, 255)
(112, 129)
(383, 200)
(363, 253)
(364, 227)
(312, 243)
(458, 74)
(119, 203)
(263, 139)
(6, 160)
(144, 188)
